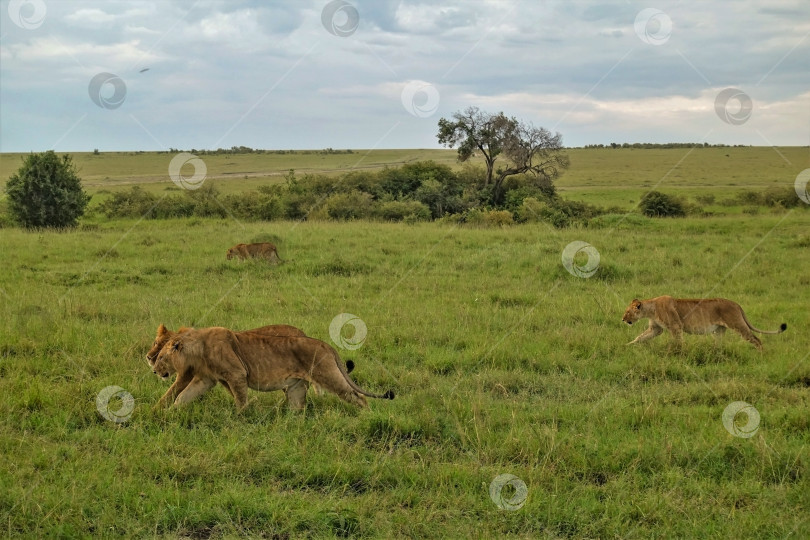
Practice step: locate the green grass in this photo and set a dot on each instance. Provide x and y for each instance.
(605, 177)
(230, 172)
(608, 177)
(502, 362)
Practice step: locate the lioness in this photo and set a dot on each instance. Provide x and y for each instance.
(693, 316)
(202, 358)
(164, 335)
(261, 250)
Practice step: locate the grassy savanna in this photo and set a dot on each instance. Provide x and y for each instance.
(501, 360)
(230, 172)
(605, 177)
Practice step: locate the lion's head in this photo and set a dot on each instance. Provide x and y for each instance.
(230, 254)
(163, 366)
(634, 312)
(163, 336)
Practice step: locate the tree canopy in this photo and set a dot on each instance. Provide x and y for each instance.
(46, 192)
(524, 147)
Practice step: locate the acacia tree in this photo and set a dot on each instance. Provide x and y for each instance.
(475, 131)
(526, 148)
(46, 192)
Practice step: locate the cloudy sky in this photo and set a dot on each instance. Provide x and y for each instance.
(153, 75)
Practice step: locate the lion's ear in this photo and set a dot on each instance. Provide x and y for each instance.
(161, 329)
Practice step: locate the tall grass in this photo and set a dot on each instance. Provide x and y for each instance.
(501, 360)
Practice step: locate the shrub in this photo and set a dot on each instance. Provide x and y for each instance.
(173, 207)
(471, 175)
(254, 205)
(530, 210)
(481, 218)
(498, 218)
(133, 203)
(473, 217)
(405, 180)
(558, 212)
(514, 198)
(401, 210)
(785, 197)
(657, 204)
(345, 206)
(361, 181)
(575, 209)
(749, 197)
(297, 205)
(206, 203)
(440, 199)
(542, 186)
(46, 192)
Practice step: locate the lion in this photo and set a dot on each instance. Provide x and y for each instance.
(261, 250)
(693, 316)
(241, 360)
(164, 335)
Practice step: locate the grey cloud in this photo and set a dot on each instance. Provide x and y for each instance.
(213, 62)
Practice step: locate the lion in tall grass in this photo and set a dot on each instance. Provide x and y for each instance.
(260, 250)
(692, 316)
(164, 335)
(241, 360)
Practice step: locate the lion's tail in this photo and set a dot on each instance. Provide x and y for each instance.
(782, 327)
(350, 365)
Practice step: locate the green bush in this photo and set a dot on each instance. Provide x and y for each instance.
(657, 204)
(749, 198)
(471, 175)
(415, 192)
(785, 197)
(206, 202)
(401, 210)
(439, 198)
(254, 205)
(576, 210)
(515, 197)
(543, 187)
(498, 218)
(558, 212)
(136, 203)
(173, 207)
(531, 210)
(46, 192)
(298, 204)
(132, 203)
(346, 206)
(483, 218)
(405, 180)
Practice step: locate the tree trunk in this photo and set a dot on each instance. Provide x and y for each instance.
(490, 168)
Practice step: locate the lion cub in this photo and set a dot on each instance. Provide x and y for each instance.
(693, 316)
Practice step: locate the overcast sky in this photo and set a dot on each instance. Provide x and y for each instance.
(154, 75)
